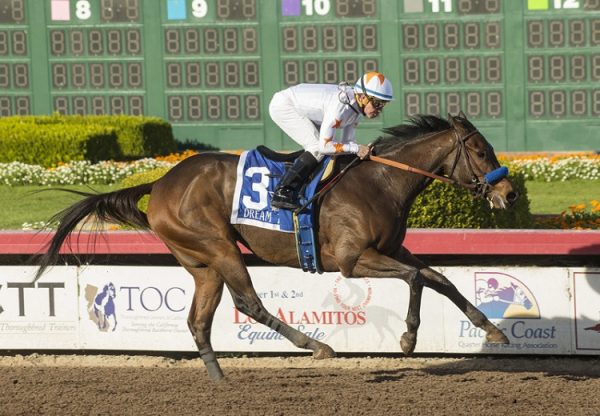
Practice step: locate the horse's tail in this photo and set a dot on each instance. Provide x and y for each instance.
(117, 207)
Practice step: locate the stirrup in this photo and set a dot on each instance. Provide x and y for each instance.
(284, 199)
(284, 204)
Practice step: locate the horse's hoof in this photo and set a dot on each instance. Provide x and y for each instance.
(324, 351)
(408, 342)
(496, 337)
(220, 378)
(214, 372)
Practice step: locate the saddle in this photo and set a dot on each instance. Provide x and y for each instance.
(276, 156)
(250, 205)
(288, 158)
(305, 221)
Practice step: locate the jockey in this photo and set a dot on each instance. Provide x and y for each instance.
(311, 113)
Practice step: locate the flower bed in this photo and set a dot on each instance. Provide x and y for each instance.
(542, 167)
(75, 173)
(533, 167)
(577, 217)
(548, 168)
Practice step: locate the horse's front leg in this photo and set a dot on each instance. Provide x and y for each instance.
(442, 285)
(374, 264)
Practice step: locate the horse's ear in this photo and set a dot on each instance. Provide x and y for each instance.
(462, 115)
(452, 120)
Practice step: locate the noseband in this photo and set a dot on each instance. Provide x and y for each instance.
(477, 187)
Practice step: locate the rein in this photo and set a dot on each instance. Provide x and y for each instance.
(478, 187)
(409, 168)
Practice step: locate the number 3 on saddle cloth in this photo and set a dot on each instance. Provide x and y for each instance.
(258, 174)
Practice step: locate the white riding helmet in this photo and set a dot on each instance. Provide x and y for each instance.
(375, 84)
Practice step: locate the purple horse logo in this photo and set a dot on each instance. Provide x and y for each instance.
(499, 295)
(104, 308)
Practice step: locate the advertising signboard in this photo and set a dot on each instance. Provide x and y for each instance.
(38, 315)
(550, 310)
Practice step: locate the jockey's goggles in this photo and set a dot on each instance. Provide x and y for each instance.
(377, 103)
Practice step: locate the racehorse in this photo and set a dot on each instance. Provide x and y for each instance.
(361, 226)
(494, 301)
(104, 307)
(514, 295)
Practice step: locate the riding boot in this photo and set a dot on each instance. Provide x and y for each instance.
(286, 194)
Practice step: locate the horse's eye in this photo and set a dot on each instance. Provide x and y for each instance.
(481, 154)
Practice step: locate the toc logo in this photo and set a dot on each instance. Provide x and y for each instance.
(101, 306)
(500, 295)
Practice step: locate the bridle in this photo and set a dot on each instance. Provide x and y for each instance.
(480, 186)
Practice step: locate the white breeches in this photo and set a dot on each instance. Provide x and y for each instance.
(300, 128)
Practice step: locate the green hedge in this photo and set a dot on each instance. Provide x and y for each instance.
(137, 137)
(49, 145)
(439, 206)
(445, 206)
(140, 136)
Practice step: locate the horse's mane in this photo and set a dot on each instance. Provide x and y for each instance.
(417, 126)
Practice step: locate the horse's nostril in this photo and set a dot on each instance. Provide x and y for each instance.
(511, 197)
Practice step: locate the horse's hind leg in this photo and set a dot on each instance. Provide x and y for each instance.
(207, 295)
(374, 264)
(231, 267)
(226, 264)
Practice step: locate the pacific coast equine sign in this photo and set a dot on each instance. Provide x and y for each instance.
(541, 310)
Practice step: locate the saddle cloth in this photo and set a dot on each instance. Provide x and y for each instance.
(257, 178)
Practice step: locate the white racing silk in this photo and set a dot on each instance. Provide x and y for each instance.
(311, 114)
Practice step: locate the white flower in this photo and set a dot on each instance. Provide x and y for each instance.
(75, 173)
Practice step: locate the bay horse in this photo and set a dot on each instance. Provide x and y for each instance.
(362, 224)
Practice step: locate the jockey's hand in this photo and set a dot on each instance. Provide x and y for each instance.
(363, 151)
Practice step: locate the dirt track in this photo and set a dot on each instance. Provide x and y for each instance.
(142, 385)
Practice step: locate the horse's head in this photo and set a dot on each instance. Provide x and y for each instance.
(110, 290)
(473, 163)
(521, 297)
